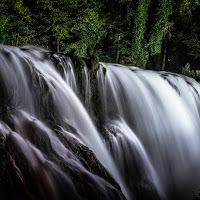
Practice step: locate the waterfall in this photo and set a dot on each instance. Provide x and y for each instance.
(87, 87)
(68, 71)
(144, 146)
(41, 95)
(161, 113)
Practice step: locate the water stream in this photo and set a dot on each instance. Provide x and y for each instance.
(146, 147)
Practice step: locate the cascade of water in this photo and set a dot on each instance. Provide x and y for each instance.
(149, 141)
(45, 165)
(41, 92)
(68, 71)
(163, 112)
(87, 87)
(132, 160)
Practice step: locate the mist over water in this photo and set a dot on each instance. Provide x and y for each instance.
(145, 147)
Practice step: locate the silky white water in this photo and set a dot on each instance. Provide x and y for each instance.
(24, 68)
(144, 145)
(162, 110)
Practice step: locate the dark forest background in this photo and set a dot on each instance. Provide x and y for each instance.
(152, 34)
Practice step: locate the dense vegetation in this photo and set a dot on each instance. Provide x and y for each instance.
(153, 34)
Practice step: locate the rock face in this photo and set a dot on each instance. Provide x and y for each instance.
(32, 168)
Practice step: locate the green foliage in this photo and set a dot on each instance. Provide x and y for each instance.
(7, 24)
(162, 24)
(139, 52)
(7, 35)
(186, 5)
(184, 45)
(186, 70)
(124, 31)
(89, 30)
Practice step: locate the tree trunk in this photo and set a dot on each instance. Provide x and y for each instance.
(58, 46)
(117, 57)
(164, 58)
(165, 49)
(17, 42)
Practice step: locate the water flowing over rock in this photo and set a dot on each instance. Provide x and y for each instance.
(159, 114)
(145, 145)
